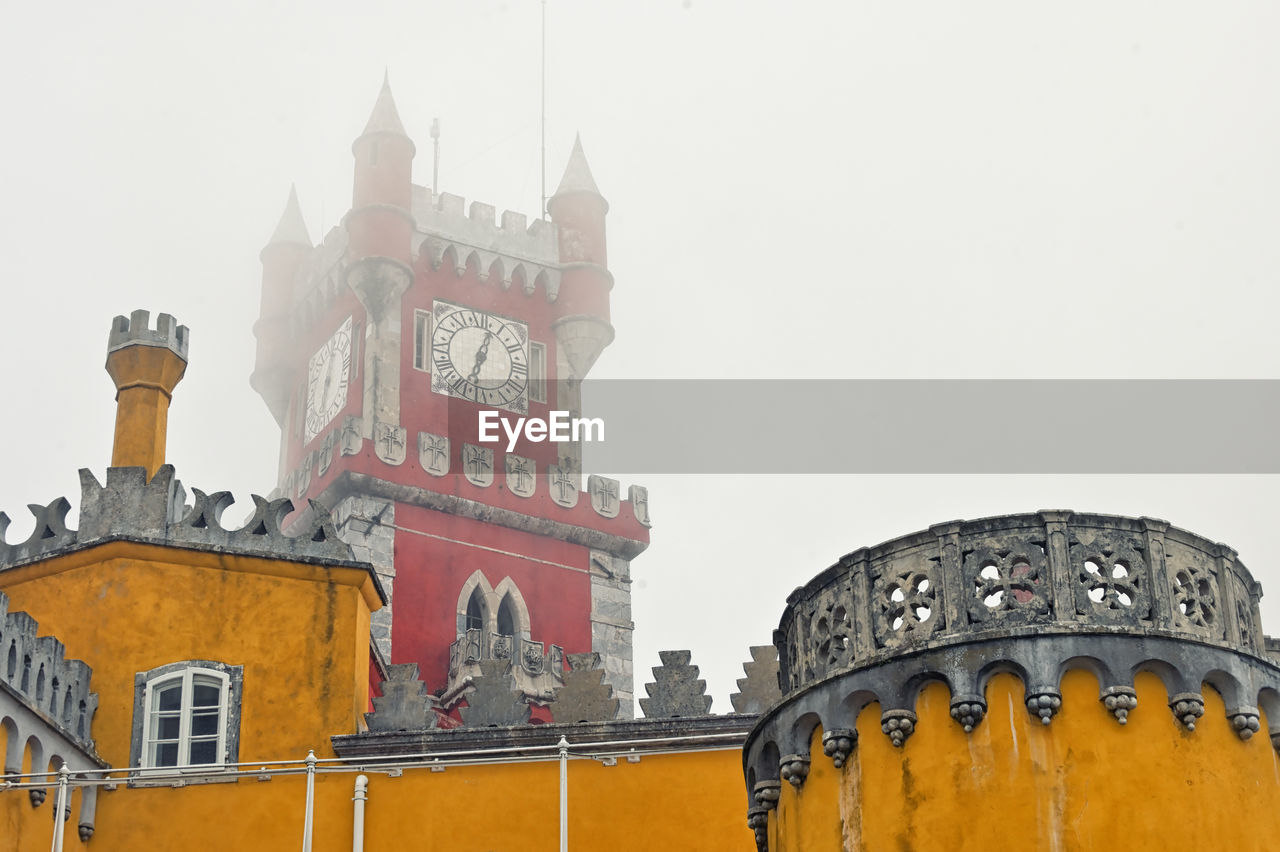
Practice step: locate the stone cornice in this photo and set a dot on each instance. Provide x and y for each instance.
(644, 735)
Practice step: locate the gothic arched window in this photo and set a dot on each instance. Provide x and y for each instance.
(506, 617)
(475, 611)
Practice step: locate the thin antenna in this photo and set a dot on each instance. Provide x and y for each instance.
(435, 161)
(544, 109)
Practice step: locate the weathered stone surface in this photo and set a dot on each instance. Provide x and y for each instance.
(585, 697)
(404, 704)
(130, 507)
(759, 689)
(493, 699)
(611, 624)
(676, 690)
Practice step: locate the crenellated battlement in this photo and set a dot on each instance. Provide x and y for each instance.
(131, 508)
(136, 330)
(515, 252)
(36, 669)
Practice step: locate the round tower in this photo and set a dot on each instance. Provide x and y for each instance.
(582, 307)
(281, 258)
(1046, 681)
(380, 223)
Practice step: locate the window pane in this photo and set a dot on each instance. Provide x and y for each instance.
(169, 698)
(207, 695)
(166, 728)
(166, 754)
(204, 751)
(204, 724)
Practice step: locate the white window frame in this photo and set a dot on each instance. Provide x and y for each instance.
(422, 341)
(187, 674)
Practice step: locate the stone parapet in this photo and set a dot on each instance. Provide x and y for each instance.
(515, 741)
(1035, 596)
(1048, 572)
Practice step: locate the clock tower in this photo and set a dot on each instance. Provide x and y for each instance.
(381, 350)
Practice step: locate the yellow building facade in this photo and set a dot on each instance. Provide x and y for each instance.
(260, 643)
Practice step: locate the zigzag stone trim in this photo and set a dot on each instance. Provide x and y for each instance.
(131, 508)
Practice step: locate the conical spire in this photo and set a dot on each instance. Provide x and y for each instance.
(291, 228)
(577, 175)
(385, 118)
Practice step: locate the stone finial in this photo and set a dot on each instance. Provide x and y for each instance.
(759, 689)
(677, 691)
(493, 700)
(404, 704)
(585, 697)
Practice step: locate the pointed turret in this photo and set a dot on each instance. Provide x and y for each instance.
(577, 175)
(281, 259)
(578, 210)
(291, 228)
(380, 223)
(385, 118)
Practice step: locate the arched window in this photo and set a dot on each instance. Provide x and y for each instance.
(187, 715)
(475, 611)
(506, 617)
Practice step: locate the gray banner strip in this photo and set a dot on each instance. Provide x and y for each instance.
(934, 426)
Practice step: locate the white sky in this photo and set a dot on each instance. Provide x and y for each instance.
(932, 189)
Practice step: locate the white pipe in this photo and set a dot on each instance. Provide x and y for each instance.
(361, 796)
(564, 794)
(311, 801)
(59, 821)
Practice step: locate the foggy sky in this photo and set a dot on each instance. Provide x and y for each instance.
(806, 190)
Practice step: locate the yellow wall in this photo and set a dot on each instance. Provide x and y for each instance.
(1083, 783)
(687, 801)
(301, 632)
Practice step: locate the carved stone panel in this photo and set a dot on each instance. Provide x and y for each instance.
(831, 629)
(389, 442)
(433, 453)
(1006, 580)
(522, 479)
(639, 497)
(326, 452)
(563, 485)
(906, 595)
(477, 465)
(1193, 585)
(604, 495)
(1110, 578)
(351, 437)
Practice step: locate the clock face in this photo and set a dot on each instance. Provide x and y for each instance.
(480, 357)
(327, 376)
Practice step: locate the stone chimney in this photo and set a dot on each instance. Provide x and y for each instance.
(146, 365)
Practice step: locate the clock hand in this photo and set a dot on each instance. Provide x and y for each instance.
(481, 354)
